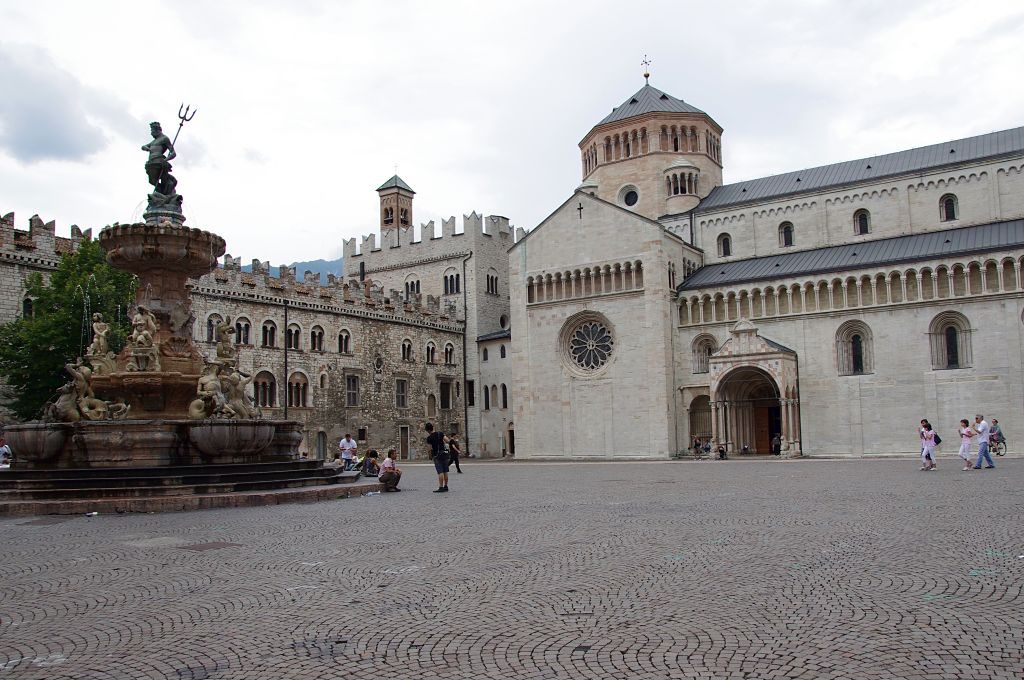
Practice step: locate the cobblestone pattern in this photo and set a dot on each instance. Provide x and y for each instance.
(807, 569)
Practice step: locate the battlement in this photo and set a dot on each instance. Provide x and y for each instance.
(40, 242)
(354, 297)
(475, 229)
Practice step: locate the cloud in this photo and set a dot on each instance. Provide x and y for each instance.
(46, 114)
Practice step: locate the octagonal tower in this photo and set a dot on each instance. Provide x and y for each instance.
(653, 154)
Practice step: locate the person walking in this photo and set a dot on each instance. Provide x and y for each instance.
(927, 447)
(390, 475)
(348, 448)
(982, 428)
(439, 452)
(455, 450)
(966, 432)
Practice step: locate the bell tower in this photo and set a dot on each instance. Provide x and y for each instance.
(395, 204)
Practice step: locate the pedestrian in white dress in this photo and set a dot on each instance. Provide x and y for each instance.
(966, 432)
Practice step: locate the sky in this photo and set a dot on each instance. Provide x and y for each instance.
(306, 107)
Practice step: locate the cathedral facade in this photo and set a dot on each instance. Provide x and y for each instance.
(827, 310)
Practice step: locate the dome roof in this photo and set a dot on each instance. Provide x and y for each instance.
(649, 100)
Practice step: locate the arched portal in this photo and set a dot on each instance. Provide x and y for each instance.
(747, 410)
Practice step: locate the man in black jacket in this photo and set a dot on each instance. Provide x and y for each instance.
(439, 452)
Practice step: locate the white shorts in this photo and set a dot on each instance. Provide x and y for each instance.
(965, 450)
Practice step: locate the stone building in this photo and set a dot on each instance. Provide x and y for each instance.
(467, 270)
(833, 307)
(337, 356)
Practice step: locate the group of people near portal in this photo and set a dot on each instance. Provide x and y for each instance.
(444, 451)
(985, 433)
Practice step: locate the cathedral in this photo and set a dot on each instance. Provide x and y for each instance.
(824, 310)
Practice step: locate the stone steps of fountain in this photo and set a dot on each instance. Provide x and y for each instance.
(162, 471)
(171, 477)
(159, 491)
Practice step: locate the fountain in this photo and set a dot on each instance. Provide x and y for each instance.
(159, 404)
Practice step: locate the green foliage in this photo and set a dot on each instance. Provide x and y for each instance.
(33, 350)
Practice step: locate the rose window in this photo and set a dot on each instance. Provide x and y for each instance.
(590, 345)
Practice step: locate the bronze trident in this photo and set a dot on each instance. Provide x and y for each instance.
(184, 117)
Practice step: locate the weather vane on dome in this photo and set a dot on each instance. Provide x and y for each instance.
(646, 63)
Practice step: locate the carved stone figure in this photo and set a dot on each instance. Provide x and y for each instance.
(99, 346)
(144, 326)
(226, 351)
(234, 383)
(65, 408)
(210, 400)
(158, 170)
(80, 378)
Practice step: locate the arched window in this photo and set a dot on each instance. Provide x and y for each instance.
(316, 339)
(501, 351)
(431, 406)
(854, 348)
(724, 245)
(948, 208)
(293, 337)
(786, 234)
(265, 389)
(494, 395)
(389, 215)
(27, 308)
(241, 331)
(862, 222)
(431, 353)
(344, 342)
(269, 334)
(211, 327)
(452, 282)
(298, 390)
(703, 347)
(449, 354)
(485, 354)
(504, 396)
(412, 286)
(487, 399)
(950, 335)
(406, 350)
(323, 380)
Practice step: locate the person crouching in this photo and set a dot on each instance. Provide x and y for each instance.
(390, 475)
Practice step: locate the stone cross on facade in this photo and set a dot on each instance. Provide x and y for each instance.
(580, 208)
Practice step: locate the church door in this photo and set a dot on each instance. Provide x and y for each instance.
(762, 429)
(403, 442)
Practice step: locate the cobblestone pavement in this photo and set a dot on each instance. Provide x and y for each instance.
(747, 569)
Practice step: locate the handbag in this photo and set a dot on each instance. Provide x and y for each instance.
(938, 439)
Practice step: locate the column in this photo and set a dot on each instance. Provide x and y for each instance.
(714, 422)
(783, 404)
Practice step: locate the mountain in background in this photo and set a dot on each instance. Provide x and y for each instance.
(321, 267)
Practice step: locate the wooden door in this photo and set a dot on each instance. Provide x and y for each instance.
(762, 429)
(403, 442)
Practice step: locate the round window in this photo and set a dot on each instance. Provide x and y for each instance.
(503, 321)
(631, 198)
(587, 344)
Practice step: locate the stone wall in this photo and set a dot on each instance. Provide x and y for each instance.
(985, 192)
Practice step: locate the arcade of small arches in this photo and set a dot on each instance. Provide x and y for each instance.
(681, 183)
(637, 142)
(491, 396)
(944, 281)
(585, 282)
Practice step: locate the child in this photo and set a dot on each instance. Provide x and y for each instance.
(927, 447)
(966, 432)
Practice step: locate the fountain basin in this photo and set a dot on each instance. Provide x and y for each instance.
(38, 444)
(231, 441)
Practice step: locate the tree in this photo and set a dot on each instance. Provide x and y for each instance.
(34, 349)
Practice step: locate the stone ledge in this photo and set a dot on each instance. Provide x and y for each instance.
(242, 499)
